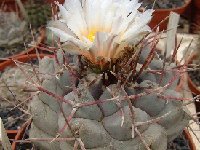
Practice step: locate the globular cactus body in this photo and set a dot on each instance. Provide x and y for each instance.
(99, 126)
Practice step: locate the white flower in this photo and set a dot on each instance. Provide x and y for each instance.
(100, 28)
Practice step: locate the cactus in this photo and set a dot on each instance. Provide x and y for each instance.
(101, 125)
(12, 30)
(12, 85)
(91, 101)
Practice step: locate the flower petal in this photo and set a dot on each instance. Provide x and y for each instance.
(66, 37)
(75, 17)
(62, 26)
(113, 23)
(138, 25)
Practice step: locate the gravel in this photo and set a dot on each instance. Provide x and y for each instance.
(180, 143)
(12, 119)
(164, 4)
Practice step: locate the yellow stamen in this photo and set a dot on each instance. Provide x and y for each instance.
(91, 36)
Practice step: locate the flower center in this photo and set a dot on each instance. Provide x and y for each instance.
(91, 36)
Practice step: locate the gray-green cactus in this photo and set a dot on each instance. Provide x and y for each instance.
(103, 115)
(13, 83)
(12, 30)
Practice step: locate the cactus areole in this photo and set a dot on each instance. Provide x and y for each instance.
(106, 88)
